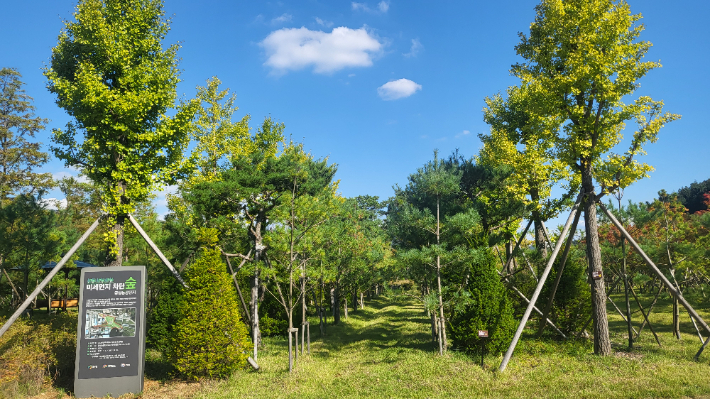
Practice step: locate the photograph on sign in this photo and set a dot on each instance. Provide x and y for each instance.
(109, 323)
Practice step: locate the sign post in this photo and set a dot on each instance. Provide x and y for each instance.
(110, 350)
(483, 335)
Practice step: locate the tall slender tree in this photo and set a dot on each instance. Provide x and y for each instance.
(581, 58)
(18, 156)
(110, 72)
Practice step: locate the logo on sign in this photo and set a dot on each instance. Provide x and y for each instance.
(482, 333)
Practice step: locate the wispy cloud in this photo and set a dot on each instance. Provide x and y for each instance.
(415, 49)
(324, 23)
(295, 49)
(382, 7)
(397, 89)
(462, 134)
(281, 19)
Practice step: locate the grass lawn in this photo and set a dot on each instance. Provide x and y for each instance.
(385, 351)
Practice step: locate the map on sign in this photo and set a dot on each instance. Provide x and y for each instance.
(108, 323)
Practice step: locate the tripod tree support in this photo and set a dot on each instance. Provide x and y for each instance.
(49, 277)
(538, 289)
(155, 249)
(671, 288)
(69, 254)
(517, 244)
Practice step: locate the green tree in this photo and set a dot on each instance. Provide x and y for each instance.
(210, 340)
(110, 72)
(19, 157)
(581, 58)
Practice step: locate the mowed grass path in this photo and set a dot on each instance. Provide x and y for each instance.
(384, 351)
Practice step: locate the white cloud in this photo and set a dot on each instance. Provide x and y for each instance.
(294, 49)
(281, 19)
(415, 49)
(324, 23)
(54, 203)
(396, 89)
(382, 7)
(462, 134)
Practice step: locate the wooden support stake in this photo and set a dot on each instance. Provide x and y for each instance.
(49, 277)
(663, 278)
(517, 244)
(650, 309)
(539, 312)
(558, 278)
(253, 363)
(644, 315)
(538, 289)
(155, 249)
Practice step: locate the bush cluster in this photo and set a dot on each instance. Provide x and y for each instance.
(37, 352)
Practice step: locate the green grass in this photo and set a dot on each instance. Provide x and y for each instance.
(385, 351)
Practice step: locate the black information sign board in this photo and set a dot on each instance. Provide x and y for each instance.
(110, 350)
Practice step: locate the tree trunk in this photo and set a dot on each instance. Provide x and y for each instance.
(345, 306)
(442, 325)
(602, 344)
(256, 333)
(362, 301)
(336, 304)
(540, 242)
(676, 318)
(354, 300)
(513, 264)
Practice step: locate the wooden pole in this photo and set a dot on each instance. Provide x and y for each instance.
(538, 289)
(645, 316)
(517, 244)
(558, 278)
(155, 249)
(49, 277)
(539, 312)
(668, 284)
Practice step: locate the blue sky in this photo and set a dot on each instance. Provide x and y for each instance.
(380, 85)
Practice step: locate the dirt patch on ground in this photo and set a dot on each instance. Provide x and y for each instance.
(152, 390)
(629, 355)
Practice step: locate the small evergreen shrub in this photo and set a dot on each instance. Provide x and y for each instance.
(164, 316)
(486, 307)
(572, 305)
(210, 340)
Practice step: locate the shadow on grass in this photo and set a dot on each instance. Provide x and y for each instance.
(382, 326)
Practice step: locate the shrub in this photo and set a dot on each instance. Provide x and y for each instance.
(163, 318)
(37, 352)
(486, 307)
(210, 340)
(573, 304)
(270, 327)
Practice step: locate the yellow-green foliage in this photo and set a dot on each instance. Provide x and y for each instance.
(36, 352)
(210, 339)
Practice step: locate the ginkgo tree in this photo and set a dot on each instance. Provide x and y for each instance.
(518, 139)
(582, 61)
(110, 72)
